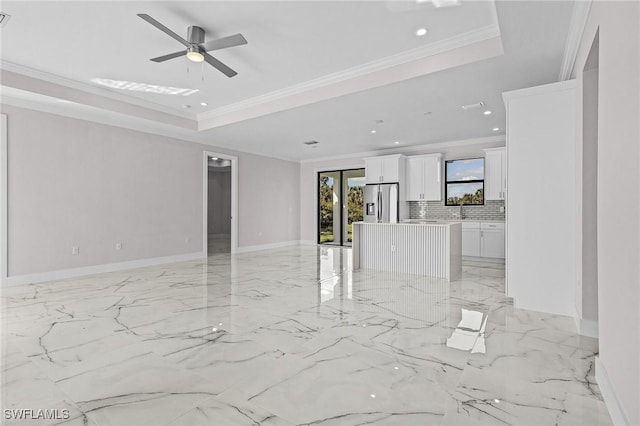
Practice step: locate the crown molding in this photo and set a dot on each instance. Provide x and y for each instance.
(125, 121)
(442, 46)
(539, 90)
(413, 148)
(574, 38)
(96, 115)
(85, 87)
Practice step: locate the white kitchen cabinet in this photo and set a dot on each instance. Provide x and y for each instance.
(384, 169)
(424, 178)
(471, 239)
(495, 174)
(483, 239)
(492, 240)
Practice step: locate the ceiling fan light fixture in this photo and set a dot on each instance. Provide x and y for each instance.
(194, 55)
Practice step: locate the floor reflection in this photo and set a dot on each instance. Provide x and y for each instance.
(292, 336)
(469, 334)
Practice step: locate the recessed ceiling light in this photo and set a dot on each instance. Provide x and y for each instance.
(487, 112)
(213, 158)
(397, 142)
(421, 32)
(204, 103)
(373, 131)
(495, 129)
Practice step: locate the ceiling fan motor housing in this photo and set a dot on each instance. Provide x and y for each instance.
(195, 35)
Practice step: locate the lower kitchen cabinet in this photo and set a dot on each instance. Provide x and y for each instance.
(471, 239)
(483, 239)
(492, 240)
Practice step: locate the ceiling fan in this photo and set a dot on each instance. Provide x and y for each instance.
(196, 47)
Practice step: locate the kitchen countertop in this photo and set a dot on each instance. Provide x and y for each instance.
(412, 222)
(449, 220)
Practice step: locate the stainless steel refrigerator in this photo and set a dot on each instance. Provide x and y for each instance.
(381, 202)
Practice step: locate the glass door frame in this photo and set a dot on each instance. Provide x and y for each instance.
(342, 200)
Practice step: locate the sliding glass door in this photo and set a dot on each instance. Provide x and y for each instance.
(340, 203)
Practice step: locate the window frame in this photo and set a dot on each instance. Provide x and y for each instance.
(447, 182)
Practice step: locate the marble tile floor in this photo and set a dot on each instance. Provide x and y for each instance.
(217, 245)
(290, 336)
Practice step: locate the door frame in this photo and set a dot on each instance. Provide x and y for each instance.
(316, 209)
(205, 199)
(4, 220)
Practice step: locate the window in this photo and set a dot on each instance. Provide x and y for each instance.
(464, 182)
(340, 203)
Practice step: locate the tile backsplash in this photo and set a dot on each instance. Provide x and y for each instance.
(437, 210)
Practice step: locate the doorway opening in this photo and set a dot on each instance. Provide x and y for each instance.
(589, 273)
(220, 204)
(340, 203)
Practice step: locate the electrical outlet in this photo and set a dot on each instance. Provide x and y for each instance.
(393, 248)
(75, 250)
(118, 246)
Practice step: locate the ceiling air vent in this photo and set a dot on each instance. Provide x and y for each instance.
(4, 18)
(472, 106)
(310, 142)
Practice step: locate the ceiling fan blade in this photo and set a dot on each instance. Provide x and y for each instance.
(162, 28)
(223, 43)
(219, 65)
(169, 56)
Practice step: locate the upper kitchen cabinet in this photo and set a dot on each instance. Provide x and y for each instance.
(384, 169)
(424, 178)
(495, 173)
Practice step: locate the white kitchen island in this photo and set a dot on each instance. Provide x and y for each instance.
(431, 248)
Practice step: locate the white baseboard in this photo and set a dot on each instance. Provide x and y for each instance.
(308, 243)
(608, 394)
(97, 269)
(247, 249)
(484, 259)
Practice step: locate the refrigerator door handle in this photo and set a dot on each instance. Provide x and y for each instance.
(379, 215)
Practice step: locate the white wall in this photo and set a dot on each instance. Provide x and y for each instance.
(618, 372)
(310, 169)
(219, 202)
(541, 202)
(78, 183)
(269, 205)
